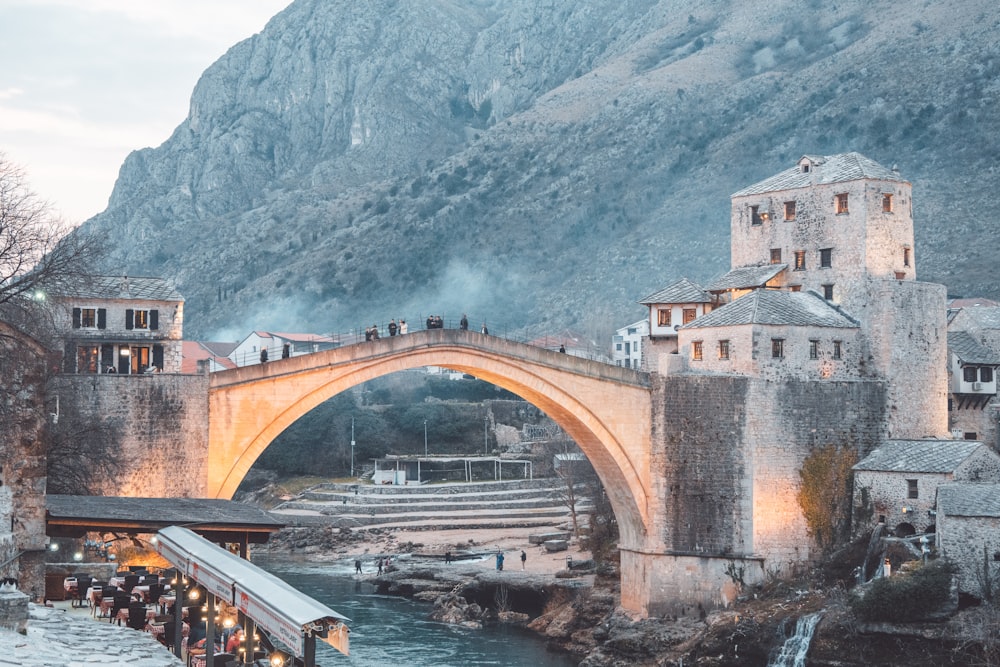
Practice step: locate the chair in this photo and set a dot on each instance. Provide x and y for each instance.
(122, 600)
(131, 581)
(83, 582)
(223, 660)
(136, 615)
(155, 591)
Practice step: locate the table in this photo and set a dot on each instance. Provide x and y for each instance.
(123, 614)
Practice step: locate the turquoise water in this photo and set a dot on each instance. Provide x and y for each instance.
(388, 630)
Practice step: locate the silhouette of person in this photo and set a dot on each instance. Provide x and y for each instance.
(464, 323)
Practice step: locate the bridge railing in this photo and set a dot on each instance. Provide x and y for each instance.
(361, 334)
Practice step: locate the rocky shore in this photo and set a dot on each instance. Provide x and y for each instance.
(575, 608)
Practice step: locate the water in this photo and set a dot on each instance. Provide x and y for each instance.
(793, 651)
(388, 630)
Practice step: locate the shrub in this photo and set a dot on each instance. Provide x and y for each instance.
(825, 493)
(908, 596)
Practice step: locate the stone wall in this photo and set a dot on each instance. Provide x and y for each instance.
(887, 495)
(728, 451)
(973, 544)
(160, 423)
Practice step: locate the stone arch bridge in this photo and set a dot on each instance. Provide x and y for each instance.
(605, 409)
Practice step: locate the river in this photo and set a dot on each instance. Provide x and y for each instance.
(388, 630)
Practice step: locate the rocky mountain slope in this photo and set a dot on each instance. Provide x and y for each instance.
(543, 164)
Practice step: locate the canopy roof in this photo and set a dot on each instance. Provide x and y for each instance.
(291, 616)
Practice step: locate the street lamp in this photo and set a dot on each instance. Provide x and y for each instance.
(425, 437)
(486, 435)
(352, 446)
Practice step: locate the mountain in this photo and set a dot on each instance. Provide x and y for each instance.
(543, 164)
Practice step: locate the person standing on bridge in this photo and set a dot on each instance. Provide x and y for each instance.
(464, 323)
(392, 328)
(484, 330)
(402, 327)
(263, 355)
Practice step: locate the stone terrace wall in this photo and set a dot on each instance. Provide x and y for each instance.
(160, 424)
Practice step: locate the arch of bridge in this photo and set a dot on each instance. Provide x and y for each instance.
(605, 409)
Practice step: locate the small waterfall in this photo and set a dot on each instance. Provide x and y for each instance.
(875, 556)
(793, 651)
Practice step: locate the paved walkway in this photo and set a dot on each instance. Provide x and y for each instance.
(63, 637)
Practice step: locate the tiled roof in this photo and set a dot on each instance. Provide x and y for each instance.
(193, 351)
(776, 308)
(680, 291)
(119, 287)
(941, 456)
(985, 317)
(824, 169)
(969, 499)
(746, 277)
(969, 351)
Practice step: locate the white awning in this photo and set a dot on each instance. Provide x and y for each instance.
(280, 609)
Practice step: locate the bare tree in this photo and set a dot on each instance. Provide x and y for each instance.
(36, 252)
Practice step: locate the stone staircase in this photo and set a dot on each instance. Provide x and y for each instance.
(533, 504)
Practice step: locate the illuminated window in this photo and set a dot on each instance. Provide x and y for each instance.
(777, 348)
(826, 258)
(836, 349)
(723, 349)
(755, 216)
(886, 203)
(840, 204)
(663, 317)
(689, 315)
(789, 210)
(141, 319)
(87, 359)
(775, 255)
(800, 260)
(88, 318)
(814, 349)
(828, 292)
(795, 288)
(696, 350)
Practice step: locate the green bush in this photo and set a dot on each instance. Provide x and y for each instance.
(906, 597)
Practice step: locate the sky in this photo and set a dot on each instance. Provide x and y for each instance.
(85, 82)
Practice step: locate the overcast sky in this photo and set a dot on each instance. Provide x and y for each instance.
(85, 82)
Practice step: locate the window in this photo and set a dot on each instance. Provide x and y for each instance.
(837, 352)
(826, 258)
(689, 315)
(800, 260)
(775, 255)
(777, 348)
(970, 435)
(141, 319)
(789, 210)
(89, 318)
(986, 374)
(814, 349)
(723, 349)
(87, 359)
(795, 288)
(911, 489)
(840, 203)
(696, 350)
(970, 374)
(828, 292)
(618, 346)
(906, 256)
(886, 202)
(755, 216)
(663, 317)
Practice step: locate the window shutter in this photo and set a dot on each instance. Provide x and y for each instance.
(76, 318)
(158, 356)
(107, 356)
(69, 356)
(154, 320)
(102, 318)
(128, 318)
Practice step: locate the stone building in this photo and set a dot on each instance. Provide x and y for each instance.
(117, 324)
(898, 482)
(820, 334)
(973, 360)
(968, 535)
(677, 304)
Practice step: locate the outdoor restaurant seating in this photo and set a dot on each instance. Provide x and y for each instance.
(136, 615)
(83, 583)
(121, 601)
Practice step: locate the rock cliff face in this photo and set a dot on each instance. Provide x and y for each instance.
(544, 164)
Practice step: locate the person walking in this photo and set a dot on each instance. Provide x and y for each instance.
(524, 558)
(357, 566)
(499, 561)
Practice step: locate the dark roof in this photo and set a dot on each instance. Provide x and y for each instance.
(775, 307)
(969, 351)
(969, 499)
(935, 456)
(74, 515)
(119, 287)
(824, 169)
(746, 277)
(983, 317)
(679, 291)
